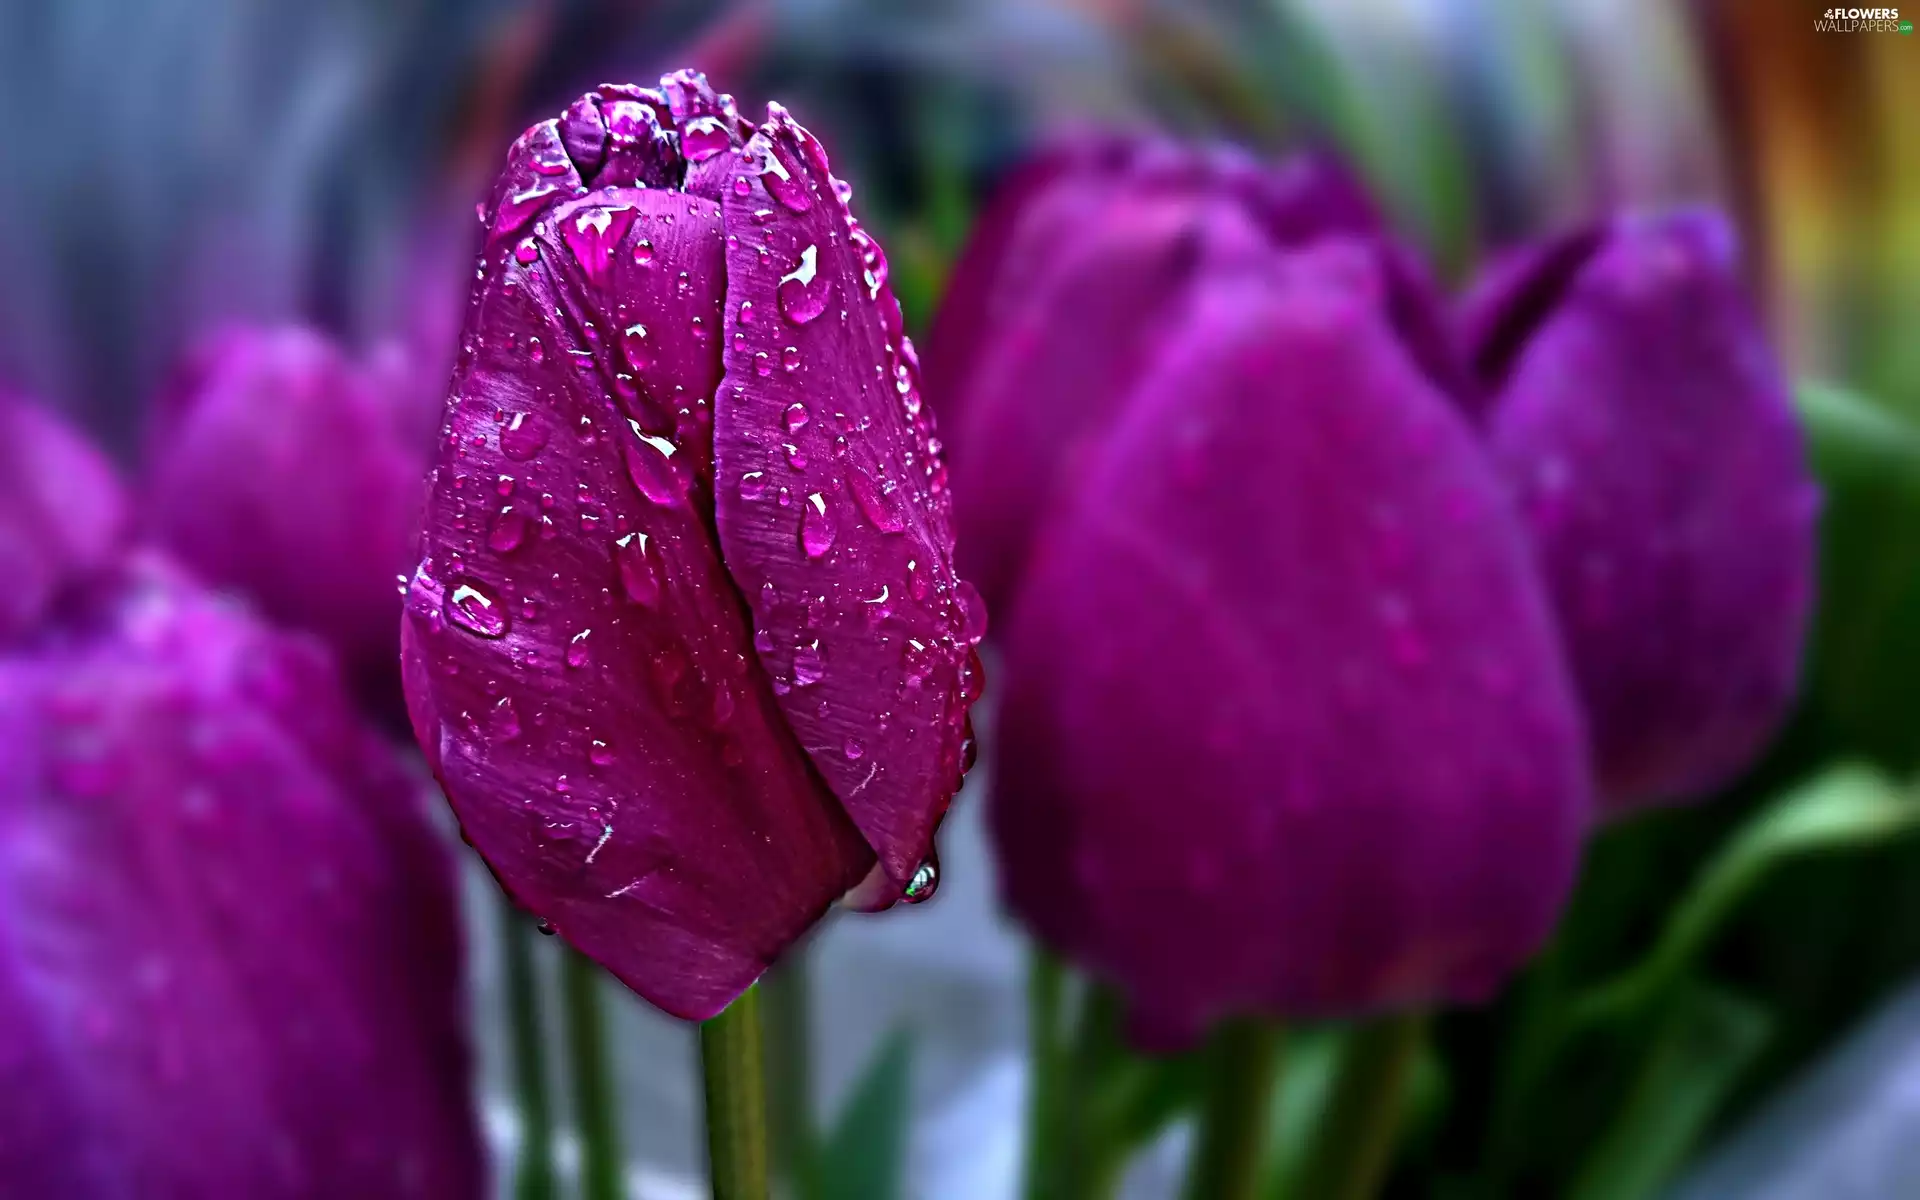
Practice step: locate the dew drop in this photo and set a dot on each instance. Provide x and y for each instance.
(476, 610)
(790, 358)
(524, 436)
(796, 417)
(853, 750)
(925, 881)
(643, 252)
(878, 502)
(795, 455)
(578, 655)
(509, 530)
(592, 233)
(808, 666)
(650, 465)
(784, 180)
(804, 292)
(503, 722)
(599, 753)
(526, 252)
(753, 485)
(639, 577)
(973, 612)
(536, 351)
(761, 364)
(816, 526)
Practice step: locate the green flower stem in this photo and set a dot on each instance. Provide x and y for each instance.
(1047, 1062)
(1353, 1144)
(533, 1172)
(786, 1019)
(731, 1060)
(1227, 1159)
(602, 1174)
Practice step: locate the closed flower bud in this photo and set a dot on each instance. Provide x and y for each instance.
(61, 512)
(685, 647)
(1644, 427)
(1073, 283)
(231, 963)
(285, 471)
(1286, 725)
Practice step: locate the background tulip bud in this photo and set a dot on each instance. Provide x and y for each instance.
(284, 470)
(686, 648)
(1286, 727)
(1075, 281)
(1645, 428)
(61, 511)
(231, 963)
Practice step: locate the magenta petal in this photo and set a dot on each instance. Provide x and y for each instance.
(1646, 429)
(230, 963)
(62, 512)
(580, 666)
(832, 505)
(287, 472)
(1286, 725)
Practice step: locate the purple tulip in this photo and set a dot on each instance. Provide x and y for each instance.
(1286, 725)
(62, 513)
(1644, 425)
(230, 963)
(284, 470)
(1073, 284)
(686, 648)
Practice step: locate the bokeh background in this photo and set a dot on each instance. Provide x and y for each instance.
(169, 167)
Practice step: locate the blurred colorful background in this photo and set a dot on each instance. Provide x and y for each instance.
(239, 237)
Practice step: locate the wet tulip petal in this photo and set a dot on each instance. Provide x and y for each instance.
(62, 512)
(1360, 780)
(287, 472)
(1645, 428)
(831, 502)
(231, 961)
(586, 683)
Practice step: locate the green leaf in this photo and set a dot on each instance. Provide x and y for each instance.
(1846, 806)
(1706, 1039)
(1865, 673)
(865, 1155)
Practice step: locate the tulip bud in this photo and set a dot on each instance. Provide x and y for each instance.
(686, 648)
(1645, 429)
(61, 511)
(1286, 727)
(1074, 281)
(291, 474)
(232, 963)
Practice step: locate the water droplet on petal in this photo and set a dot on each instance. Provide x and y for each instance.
(804, 292)
(973, 612)
(853, 749)
(526, 252)
(753, 485)
(524, 436)
(816, 526)
(790, 358)
(592, 233)
(784, 179)
(509, 529)
(703, 138)
(503, 722)
(651, 466)
(638, 575)
(475, 610)
(808, 666)
(925, 881)
(796, 417)
(536, 351)
(795, 455)
(600, 754)
(880, 503)
(578, 655)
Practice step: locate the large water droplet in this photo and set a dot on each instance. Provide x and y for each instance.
(879, 502)
(973, 612)
(785, 180)
(578, 653)
(925, 882)
(808, 666)
(638, 575)
(796, 417)
(509, 530)
(503, 722)
(651, 466)
(816, 526)
(592, 233)
(524, 436)
(475, 610)
(753, 485)
(804, 291)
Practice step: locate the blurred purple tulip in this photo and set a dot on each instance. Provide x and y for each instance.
(62, 512)
(1645, 427)
(284, 470)
(1072, 285)
(1286, 725)
(686, 648)
(231, 964)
